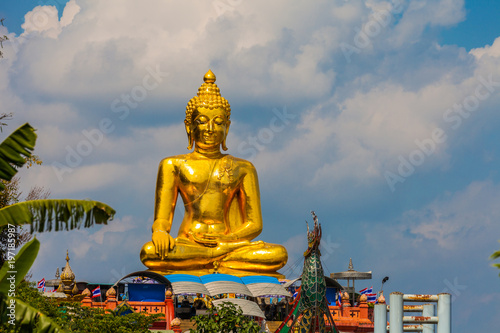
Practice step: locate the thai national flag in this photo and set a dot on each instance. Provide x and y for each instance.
(366, 291)
(371, 298)
(41, 283)
(96, 292)
(339, 299)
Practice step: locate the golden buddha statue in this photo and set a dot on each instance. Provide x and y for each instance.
(221, 201)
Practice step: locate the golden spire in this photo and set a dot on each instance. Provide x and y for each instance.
(67, 273)
(67, 276)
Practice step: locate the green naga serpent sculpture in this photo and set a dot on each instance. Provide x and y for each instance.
(310, 311)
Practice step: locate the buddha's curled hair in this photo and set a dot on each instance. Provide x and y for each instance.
(208, 97)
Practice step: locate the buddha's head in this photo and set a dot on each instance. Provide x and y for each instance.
(207, 116)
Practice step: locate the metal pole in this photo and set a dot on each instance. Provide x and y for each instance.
(380, 318)
(428, 312)
(444, 313)
(396, 313)
(353, 301)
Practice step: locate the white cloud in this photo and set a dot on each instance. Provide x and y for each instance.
(352, 129)
(488, 50)
(45, 20)
(120, 226)
(95, 250)
(460, 218)
(353, 119)
(458, 226)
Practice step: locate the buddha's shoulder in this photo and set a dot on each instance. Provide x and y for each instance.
(186, 159)
(239, 162)
(174, 160)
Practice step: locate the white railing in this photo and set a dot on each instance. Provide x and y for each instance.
(424, 323)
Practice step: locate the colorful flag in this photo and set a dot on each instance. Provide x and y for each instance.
(366, 291)
(41, 283)
(371, 298)
(339, 299)
(96, 292)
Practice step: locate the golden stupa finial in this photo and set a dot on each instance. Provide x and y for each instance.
(67, 275)
(209, 77)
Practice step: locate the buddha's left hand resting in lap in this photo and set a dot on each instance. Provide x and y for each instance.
(221, 201)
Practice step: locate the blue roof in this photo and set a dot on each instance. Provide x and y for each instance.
(183, 278)
(220, 277)
(215, 284)
(259, 279)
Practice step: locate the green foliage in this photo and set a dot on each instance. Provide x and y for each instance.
(60, 214)
(85, 319)
(72, 316)
(27, 315)
(33, 313)
(494, 256)
(42, 215)
(21, 265)
(14, 150)
(226, 317)
(26, 318)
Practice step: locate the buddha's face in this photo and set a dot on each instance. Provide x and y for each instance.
(209, 127)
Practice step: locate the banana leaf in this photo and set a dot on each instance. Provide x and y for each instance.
(27, 318)
(18, 267)
(57, 214)
(14, 150)
(495, 255)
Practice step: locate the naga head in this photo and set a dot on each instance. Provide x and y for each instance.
(313, 237)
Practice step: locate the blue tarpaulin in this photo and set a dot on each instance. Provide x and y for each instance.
(331, 295)
(146, 292)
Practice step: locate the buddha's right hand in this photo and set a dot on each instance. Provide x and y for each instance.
(163, 243)
(204, 239)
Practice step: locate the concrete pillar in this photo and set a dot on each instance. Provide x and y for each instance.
(444, 313)
(380, 318)
(396, 313)
(87, 301)
(111, 301)
(169, 308)
(428, 312)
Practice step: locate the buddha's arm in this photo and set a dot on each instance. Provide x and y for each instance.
(249, 202)
(165, 200)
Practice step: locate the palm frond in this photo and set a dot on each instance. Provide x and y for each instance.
(57, 214)
(14, 150)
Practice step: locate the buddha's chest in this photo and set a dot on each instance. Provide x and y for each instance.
(220, 175)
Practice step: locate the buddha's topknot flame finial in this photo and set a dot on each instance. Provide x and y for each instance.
(209, 77)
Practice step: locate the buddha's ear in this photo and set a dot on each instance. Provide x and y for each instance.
(225, 135)
(189, 132)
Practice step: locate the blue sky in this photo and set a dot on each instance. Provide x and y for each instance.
(391, 134)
